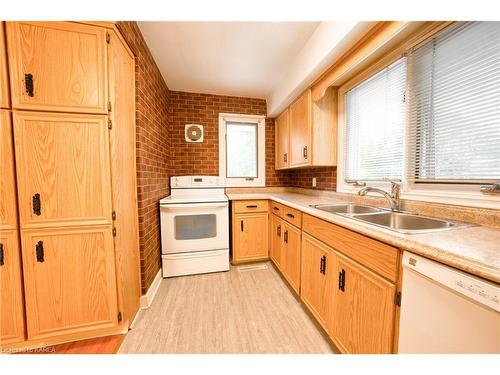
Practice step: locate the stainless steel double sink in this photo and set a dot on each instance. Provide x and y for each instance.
(402, 222)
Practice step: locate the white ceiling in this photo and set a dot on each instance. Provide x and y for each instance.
(225, 58)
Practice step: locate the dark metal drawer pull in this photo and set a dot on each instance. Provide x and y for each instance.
(1, 254)
(28, 84)
(276, 208)
(342, 280)
(37, 204)
(290, 215)
(39, 252)
(252, 206)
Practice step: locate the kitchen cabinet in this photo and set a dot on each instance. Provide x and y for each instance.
(276, 240)
(8, 207)
(57, 66)
(69, 280)
(62, 169)
(300, 131)
(317, 278)
(11, 292)
(121, 67)
(362, 319)
(281, 140)
(4, 81)
(250, 231)
(290, 255)
(312, 132)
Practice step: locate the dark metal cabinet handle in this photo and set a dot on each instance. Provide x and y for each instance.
(37, 204)
(1, 254)
(286, 237)
(285, 157)
(241, 225)
(278, 230)
(322, 265)
(28, 84)
(276, 208)
(342, 280)
(304, 152)
(290, 215)
(251, 206)
(39, 252)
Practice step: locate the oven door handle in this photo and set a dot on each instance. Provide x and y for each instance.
(180, 206)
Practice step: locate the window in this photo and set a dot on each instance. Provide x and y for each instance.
(242, 149)
(431, 118)
(454, 106)
(374, 131)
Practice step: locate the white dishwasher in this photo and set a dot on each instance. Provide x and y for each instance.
(444, 310)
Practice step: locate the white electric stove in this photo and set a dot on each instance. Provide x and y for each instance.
(195, 226)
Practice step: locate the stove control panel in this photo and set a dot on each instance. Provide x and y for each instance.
(196, 181)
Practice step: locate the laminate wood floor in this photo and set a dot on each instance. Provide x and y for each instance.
(238, 312)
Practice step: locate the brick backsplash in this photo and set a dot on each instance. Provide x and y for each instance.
(153, 148)
(162, 151)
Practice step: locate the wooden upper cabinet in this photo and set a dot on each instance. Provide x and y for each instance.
(362, 320)
(4, 81)
(57, 66)
(63, 175)
(8, 207)
(123, 173)
(69, 280)
(307, 132)
(250, 237)
(316, 278)
(11, 291)
(282, 129)
(301, 131)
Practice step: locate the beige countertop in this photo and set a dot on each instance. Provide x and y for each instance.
(472, 249)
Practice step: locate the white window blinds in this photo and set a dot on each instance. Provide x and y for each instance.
(454, 105)
(375, 121)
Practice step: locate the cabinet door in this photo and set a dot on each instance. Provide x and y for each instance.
(62, 169)
(291, 255)
(4, 83)
(315, 284)
(250, 233)
(8, 210)
(69, 280)
(363, 310)
(57, 66)
(123, 174)
(11, 293)
(276, 240)
(301, 131)
(281, 134)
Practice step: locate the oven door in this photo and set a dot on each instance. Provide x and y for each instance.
(190, 227)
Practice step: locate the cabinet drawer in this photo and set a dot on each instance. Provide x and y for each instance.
(293, 216)
(250, 206)
(373, 254)
(277, 208)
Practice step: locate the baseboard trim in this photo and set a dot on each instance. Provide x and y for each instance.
(148, 298)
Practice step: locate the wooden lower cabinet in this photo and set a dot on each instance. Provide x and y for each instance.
(11, 291)
(290, 257)
(69, 280)
(316, 278)
(250, 237)
(276, 240)
(362, 318)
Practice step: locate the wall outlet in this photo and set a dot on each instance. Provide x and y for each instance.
(314, 182)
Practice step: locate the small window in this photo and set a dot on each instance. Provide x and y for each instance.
(242, 149)
(375, 122)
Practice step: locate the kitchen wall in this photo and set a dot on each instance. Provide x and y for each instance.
(153, 148)
(203, 158)
(326, 178)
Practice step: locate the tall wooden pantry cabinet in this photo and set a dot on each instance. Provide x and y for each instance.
(69, 221)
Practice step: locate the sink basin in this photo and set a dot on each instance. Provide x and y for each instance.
(349, 209)
(406, 223)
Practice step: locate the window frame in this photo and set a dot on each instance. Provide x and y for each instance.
(260, 121)
(447, 193)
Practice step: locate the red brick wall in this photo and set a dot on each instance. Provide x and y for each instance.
(326, 178)
(203, 158)
(153, 149)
